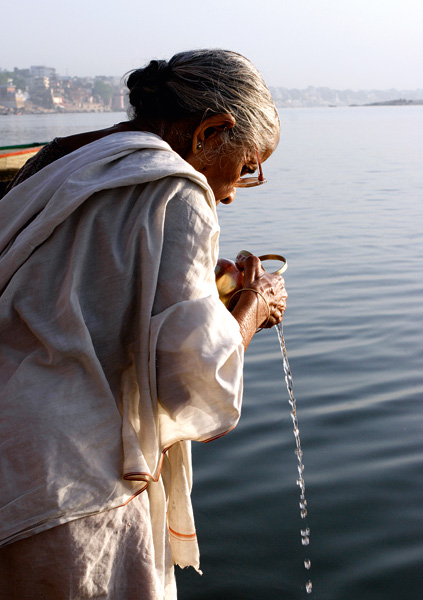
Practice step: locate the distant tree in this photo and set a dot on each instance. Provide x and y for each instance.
(103, 90)
(5, 76)
(19, 82)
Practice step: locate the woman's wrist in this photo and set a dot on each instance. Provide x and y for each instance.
(251, 311)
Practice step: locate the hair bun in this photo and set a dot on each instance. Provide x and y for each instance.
(151, 78)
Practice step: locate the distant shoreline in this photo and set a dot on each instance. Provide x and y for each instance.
(322, 96)
(399, 102)
(52, 111)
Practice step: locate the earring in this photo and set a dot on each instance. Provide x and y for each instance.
(199, 146)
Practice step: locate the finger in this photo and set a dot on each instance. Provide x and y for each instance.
(240, 261)
(252, 269)
(241, 258)
(275, 319)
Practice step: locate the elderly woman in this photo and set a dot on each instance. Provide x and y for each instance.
(116, 351)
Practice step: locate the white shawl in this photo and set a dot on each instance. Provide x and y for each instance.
(115, 350)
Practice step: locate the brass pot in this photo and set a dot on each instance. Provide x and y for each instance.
(229, 278)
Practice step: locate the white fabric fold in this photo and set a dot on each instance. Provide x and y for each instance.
(114, 346)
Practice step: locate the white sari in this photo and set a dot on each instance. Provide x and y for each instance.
(115, 350)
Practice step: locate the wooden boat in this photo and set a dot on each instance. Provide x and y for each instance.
(12, 158)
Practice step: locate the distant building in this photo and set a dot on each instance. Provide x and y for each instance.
(9, 98)
(41, 71)
(40, 93)
(118, 100)
(21, 72)
(41, 82)
(57, 98)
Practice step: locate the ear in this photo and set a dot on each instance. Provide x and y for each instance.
(209, 128)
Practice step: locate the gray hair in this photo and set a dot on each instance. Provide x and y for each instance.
(200, 83)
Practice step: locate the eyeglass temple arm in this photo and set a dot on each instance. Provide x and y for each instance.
(260, 176)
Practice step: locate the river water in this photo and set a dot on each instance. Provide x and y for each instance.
(344, 205)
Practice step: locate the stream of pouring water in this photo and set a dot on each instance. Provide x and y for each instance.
(305, 532)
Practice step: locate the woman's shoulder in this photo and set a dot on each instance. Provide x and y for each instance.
(62, 146)
(77, 140)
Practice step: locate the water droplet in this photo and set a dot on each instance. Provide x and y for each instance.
(303, 513)
(305, 541)
(309, 587)
(303, 504)
(305, 531)
(307, 563)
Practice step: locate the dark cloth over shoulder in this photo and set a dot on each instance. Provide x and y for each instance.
(48, 154)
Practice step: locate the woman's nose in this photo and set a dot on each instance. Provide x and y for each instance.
(230, 198)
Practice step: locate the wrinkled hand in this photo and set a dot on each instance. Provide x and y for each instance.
(271, 286)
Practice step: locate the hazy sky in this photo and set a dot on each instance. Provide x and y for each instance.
(357, 44)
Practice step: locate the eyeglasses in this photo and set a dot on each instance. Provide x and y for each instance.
(246, 182)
